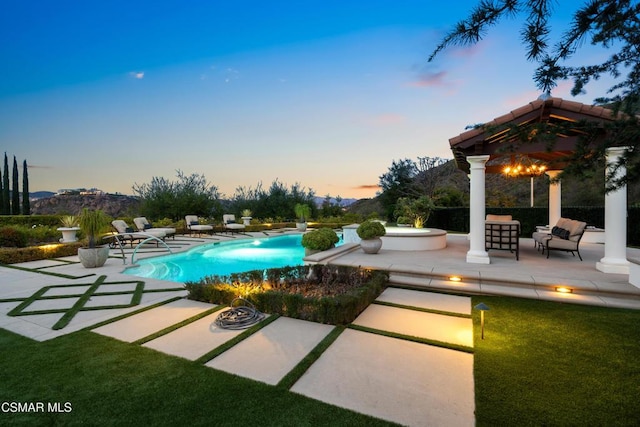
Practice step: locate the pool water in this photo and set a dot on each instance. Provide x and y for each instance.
(223, 258)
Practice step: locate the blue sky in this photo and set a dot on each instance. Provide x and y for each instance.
(321, 93)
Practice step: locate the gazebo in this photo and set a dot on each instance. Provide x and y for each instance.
(492, 147)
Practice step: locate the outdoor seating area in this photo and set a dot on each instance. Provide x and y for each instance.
(565, 236)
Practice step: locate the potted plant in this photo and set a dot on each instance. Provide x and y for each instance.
(69, 228)
(370, 232)
(319, 240)
(246, 217)
(93, 223)
(302, 213)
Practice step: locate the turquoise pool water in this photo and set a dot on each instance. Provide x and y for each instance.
(223, 258)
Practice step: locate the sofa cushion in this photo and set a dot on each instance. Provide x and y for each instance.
(576, 229)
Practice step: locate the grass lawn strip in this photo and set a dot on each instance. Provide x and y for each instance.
(420, 340)
(298, 371)
(424, 310)
(48, 273)
(108, 382)
(178, 325)
(549, 363)
(235, 340)
(82, 299)
(132, 313)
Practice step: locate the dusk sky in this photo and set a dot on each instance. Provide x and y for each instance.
(321, 93)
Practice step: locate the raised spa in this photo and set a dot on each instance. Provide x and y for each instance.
(404, 238)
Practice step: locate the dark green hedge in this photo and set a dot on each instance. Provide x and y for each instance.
(270, 291)
(457, 219)
(31, 220)
(34, 253)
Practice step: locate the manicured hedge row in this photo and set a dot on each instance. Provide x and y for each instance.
(457, 219)
(270, 291)
(33, 253)
(31, 220)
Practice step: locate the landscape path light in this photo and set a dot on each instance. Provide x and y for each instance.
(482, 307)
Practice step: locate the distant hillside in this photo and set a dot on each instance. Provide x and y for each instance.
(41, 194)
(343, 203)
(114, 205)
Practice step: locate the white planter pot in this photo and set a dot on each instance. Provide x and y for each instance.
(93, 257)
(301, 226)
(68, 234)
(371, 246)
(246, 220)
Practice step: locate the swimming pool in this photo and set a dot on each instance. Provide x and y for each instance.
(223, 258)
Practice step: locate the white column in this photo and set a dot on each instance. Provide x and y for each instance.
(477, 253)
(615, 222)
(555, 198)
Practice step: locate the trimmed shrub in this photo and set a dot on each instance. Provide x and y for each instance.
(13, 237)
(320, 239)
(371, 229)
(34, 253)
(318, 293)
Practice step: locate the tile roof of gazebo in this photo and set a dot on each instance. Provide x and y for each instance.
(491, 139)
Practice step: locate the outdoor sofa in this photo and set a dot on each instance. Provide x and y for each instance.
(565, 236)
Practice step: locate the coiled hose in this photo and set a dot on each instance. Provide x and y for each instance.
(240, 317)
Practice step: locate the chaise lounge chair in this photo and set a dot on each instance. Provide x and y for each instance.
(230, 224)
(126, 234)
(193, 225)
(145, 226)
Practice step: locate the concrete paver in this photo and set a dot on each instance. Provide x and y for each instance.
(146, 323)
(448, 329)
(404, 382)
(427, 300)
(195, 339)
(269, 354)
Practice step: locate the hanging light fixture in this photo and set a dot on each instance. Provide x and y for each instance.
(523, 166)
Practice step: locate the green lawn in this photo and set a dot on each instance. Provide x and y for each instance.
(540, 364)
(545, 363)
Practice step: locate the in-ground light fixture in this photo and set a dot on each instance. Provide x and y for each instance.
(482, 307)
(564, 290)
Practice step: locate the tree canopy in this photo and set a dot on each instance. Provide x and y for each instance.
(613, 25)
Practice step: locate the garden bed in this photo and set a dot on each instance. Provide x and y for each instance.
(319, 293)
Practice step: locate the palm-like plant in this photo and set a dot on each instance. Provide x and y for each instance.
(93, 223)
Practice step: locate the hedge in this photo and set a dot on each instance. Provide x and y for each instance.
(34, 253)
(269, 292)
(457, 219)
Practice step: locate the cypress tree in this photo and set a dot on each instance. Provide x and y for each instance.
(26, 203)
(15, 190)
(6, 203)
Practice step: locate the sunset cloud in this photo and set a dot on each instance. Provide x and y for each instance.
(430, 79)
(367, 187)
